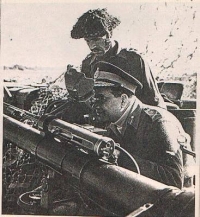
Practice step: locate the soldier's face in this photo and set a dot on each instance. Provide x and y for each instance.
(98, 45)
(106, 106)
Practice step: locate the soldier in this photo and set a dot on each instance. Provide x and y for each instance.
(96, 27)
(149, 133)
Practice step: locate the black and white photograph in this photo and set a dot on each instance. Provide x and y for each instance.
(99, 108)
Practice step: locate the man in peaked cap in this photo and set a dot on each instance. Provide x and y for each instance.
(150, 134)
(96, 27)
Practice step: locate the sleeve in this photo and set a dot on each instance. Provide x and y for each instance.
(86, 66)
(139, 69)
(150, 93)
(165, 163)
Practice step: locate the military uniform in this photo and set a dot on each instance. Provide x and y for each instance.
(98, 23)
(138, 68)
(151, 135)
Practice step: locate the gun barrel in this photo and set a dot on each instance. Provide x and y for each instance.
(118, 190)
(101, 145)
(14, 111)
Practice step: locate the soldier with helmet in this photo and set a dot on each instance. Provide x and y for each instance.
(96, 27)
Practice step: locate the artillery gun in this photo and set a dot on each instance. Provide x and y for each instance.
(60, 167)
(92, 184)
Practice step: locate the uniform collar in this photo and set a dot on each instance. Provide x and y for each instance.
(112, 51)
(131, 116)
(134, 115)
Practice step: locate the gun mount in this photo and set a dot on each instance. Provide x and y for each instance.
(118, 191)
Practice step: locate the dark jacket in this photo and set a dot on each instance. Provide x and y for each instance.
(151, 137)
(138, 68)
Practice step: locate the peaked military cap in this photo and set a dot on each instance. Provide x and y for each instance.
(94, 23)
(115, 73)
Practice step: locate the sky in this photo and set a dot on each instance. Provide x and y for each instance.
(37, 33)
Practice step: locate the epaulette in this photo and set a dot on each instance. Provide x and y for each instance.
(153, 114)
(88, 56)
(124, 52)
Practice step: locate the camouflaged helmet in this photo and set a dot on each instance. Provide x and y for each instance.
(94, 23)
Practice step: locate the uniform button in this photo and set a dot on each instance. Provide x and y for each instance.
(131, 119)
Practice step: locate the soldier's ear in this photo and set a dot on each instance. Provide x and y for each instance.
(124, 101)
